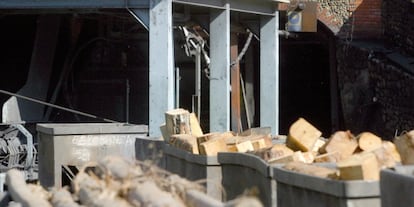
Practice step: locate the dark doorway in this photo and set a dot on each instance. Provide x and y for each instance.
(305, 81)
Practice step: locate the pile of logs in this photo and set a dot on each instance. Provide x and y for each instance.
(182, 130)
(358, 157)
(114, 181)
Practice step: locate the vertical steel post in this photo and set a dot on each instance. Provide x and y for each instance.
(220, 72)
(161, 72)
(269, 72)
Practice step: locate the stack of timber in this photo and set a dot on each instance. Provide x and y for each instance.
(358, 157)
(114, 181)
(182, 130)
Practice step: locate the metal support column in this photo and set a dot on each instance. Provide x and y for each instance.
(220, 70)
(269, 72)
(161, 73)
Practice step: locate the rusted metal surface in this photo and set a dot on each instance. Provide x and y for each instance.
(235, 84)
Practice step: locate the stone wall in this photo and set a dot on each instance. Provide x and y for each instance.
(376, 94)
(352, 19)
(398, 20)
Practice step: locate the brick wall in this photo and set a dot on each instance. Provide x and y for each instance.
(398, 20)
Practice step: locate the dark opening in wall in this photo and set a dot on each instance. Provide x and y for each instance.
(305, 81)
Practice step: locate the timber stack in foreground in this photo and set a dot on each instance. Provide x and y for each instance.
(358, 157)
(114, 181)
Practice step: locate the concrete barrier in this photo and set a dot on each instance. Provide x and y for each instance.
(78, 144)
(242, 171)
(194, 168)
(297, 189)
(397, 186)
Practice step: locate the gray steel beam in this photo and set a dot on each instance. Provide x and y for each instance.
(72, 4)
(220, 70)
(161, 73)
(262, 7)
(269, 72)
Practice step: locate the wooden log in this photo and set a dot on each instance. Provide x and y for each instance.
(298, 156)
(318, 144)
(62, 198)
(195, 198)
(342, 142)
(362, 166)
(94, 192)
(212, 147)
(177, 121)
(148, 193)
(328, 157)
(314, 170)
(302, 136)
(21, 192)
(405, 147)
(274, 152)
(368, 141)
(387, 155)
(185, 142)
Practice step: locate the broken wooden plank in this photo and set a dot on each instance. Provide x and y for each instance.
(302, 136)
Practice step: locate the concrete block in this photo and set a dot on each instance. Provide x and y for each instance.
(78, 144)
(397, 186)
(297, 189)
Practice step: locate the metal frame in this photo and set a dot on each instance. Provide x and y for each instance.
(161, 51)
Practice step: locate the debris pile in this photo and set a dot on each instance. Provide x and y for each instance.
(114, 181)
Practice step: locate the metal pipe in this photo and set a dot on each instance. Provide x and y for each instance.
(198, 81)
(56, 106)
